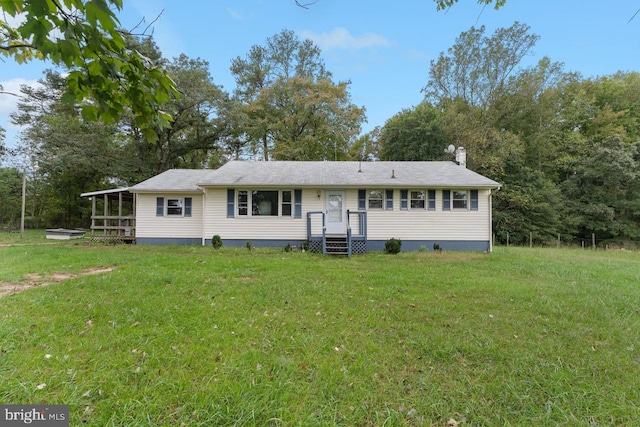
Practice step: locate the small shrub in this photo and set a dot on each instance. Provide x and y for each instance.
(436, 247)
(423, 248)
(249, 245)
(392, 246)
(288, 247)
(216, 241)
(305, 246)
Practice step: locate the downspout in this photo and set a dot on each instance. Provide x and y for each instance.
(490, 221)
(135, 217)
(491, 218)
(204, 217)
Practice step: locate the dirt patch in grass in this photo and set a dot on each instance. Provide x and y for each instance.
(37, 280)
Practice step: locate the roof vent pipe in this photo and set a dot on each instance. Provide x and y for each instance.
(393, 173)
(360, 166)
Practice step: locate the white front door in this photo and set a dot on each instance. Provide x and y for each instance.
(336, 212)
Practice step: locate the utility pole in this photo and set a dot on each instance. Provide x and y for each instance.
(24, 198)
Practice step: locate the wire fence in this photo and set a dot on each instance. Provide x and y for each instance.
(589, 243)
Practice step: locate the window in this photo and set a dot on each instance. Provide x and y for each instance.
(243, 203)
(265, 203)
(286, 203)
(460, 200)
(417, 199)
(376, 199)
(174, 207)
(432, 200)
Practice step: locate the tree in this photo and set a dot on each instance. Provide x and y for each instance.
(11, 190)
(414, 134)
(195, 130)
(367, 147)
(288, 106)
(527, 205)
(310, 120)
(477, 68)
(3, 149)
(445, 4)
(604, 190)
(69, 154)
(84, 36)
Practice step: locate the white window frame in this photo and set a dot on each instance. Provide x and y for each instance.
(370, 199)
(180, 205)
(245, 205)
(248, 205)
(425, 194)
(465, 199)
(290, 203)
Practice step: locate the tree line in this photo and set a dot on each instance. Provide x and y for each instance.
(564, 147)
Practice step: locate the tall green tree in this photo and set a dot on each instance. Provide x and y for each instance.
(529, 205)
(604, 190)
(84, 37)
(367, 147)
(69, 154)
(196, 126)
(289, 107)
(11, 191)
(414, 134)
(478, 69)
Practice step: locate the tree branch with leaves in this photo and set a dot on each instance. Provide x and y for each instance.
(105, 78)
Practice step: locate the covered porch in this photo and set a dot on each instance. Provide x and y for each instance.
(113, 215)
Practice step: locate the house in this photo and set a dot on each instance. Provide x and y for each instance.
(336, 207)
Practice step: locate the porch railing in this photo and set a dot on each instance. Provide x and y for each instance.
(355, 238)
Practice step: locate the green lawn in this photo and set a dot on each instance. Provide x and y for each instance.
(194, 336)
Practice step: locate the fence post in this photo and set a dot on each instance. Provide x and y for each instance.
(593, 241)
(558, 240)
(507, 238)
(530, 239)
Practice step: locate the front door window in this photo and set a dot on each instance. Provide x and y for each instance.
(335, 212)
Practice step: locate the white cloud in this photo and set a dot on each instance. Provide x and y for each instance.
(340, 38)
(11, 94)
(8, 104)
(235, 14)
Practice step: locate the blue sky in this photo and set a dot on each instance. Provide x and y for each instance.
(383, 47)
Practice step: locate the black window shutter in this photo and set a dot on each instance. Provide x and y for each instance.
(362, 200)
(187, 206)
(297, 200)
(231, 207)
(474, 200)
(389, 199)
(404, 204)
(446, 200)
(160, 206)
(432, 200)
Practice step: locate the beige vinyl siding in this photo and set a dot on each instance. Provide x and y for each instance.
(149, 225)
(417, 224)
(421, 224)
(253, 228)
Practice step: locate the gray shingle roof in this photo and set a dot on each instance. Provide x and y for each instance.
(173, 180)
(318, 174)
(346, 174)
